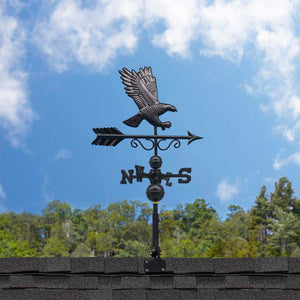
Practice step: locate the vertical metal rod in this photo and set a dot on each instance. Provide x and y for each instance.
(155, 141)
(155, 230)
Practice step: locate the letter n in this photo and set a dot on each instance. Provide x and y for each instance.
(127, 177)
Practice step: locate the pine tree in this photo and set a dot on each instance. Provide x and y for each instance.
(283, 239)
(283, 195)
(260, 215)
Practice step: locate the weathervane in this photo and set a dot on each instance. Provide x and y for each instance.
(141, 87)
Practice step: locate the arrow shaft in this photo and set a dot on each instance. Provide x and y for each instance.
(125, 136)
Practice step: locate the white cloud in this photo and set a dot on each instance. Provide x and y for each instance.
(16, 114)
(281, 162)
(226, 190)
(2, 193)
(90, 36)
(181, 20)
(261, 30)
(264, 31)
(63, 154)
(289, 133)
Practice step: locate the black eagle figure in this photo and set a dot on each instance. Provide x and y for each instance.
(141, 87)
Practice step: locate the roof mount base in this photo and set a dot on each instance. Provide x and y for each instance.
(155, 265)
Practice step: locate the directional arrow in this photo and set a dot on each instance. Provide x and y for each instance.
(111, 136)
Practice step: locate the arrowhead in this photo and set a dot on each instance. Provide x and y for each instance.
(193, 137)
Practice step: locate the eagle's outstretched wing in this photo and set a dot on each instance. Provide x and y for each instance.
(141, 86)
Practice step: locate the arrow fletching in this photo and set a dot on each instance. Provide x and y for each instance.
(107, 136)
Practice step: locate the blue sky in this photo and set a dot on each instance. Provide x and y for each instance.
(230, 67)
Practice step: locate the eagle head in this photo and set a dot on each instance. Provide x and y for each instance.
(170, 107)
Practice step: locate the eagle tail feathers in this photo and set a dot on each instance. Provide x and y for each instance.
(134, 121)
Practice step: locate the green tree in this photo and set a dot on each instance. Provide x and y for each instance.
(270, 228)
(283, 195)
(57, 244)
(55, 212)
(133, 248)
(260, 219)
(82, 250)
(283, 239)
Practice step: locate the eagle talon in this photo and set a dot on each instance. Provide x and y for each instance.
(165, 125)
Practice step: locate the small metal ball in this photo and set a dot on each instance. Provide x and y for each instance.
(155, 192)
(155, 162)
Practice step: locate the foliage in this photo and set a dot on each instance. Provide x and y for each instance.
(270, 228)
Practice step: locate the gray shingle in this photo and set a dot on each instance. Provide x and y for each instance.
(87, 265)
(238, 294)
(4, 281)
(185, 282)
(19, 265)
(161, 282)
(21, 294)
(233, 265)
(130, 295)
(50, 281)
(189, 265)
(38, 294)
(293, 282)
(294, 264)
(207, 294)
(109, 281)
(83, 282)
(190, 294)
(121, 265)
(269, 294)
(21, 281)
(54, 264)
(271, 264)
(269, 281)
(75, 294)
(163, 295)
(66, 282)
(237, 282)
(211, 282)
(134, 282)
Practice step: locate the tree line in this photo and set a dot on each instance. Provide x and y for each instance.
(270, 228)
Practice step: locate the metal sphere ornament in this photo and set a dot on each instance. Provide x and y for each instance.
(155, 162)
(155, 192)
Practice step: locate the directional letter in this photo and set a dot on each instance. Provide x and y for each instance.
(188, 177)
(167, 179)
(126, 176)
(139, 173)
